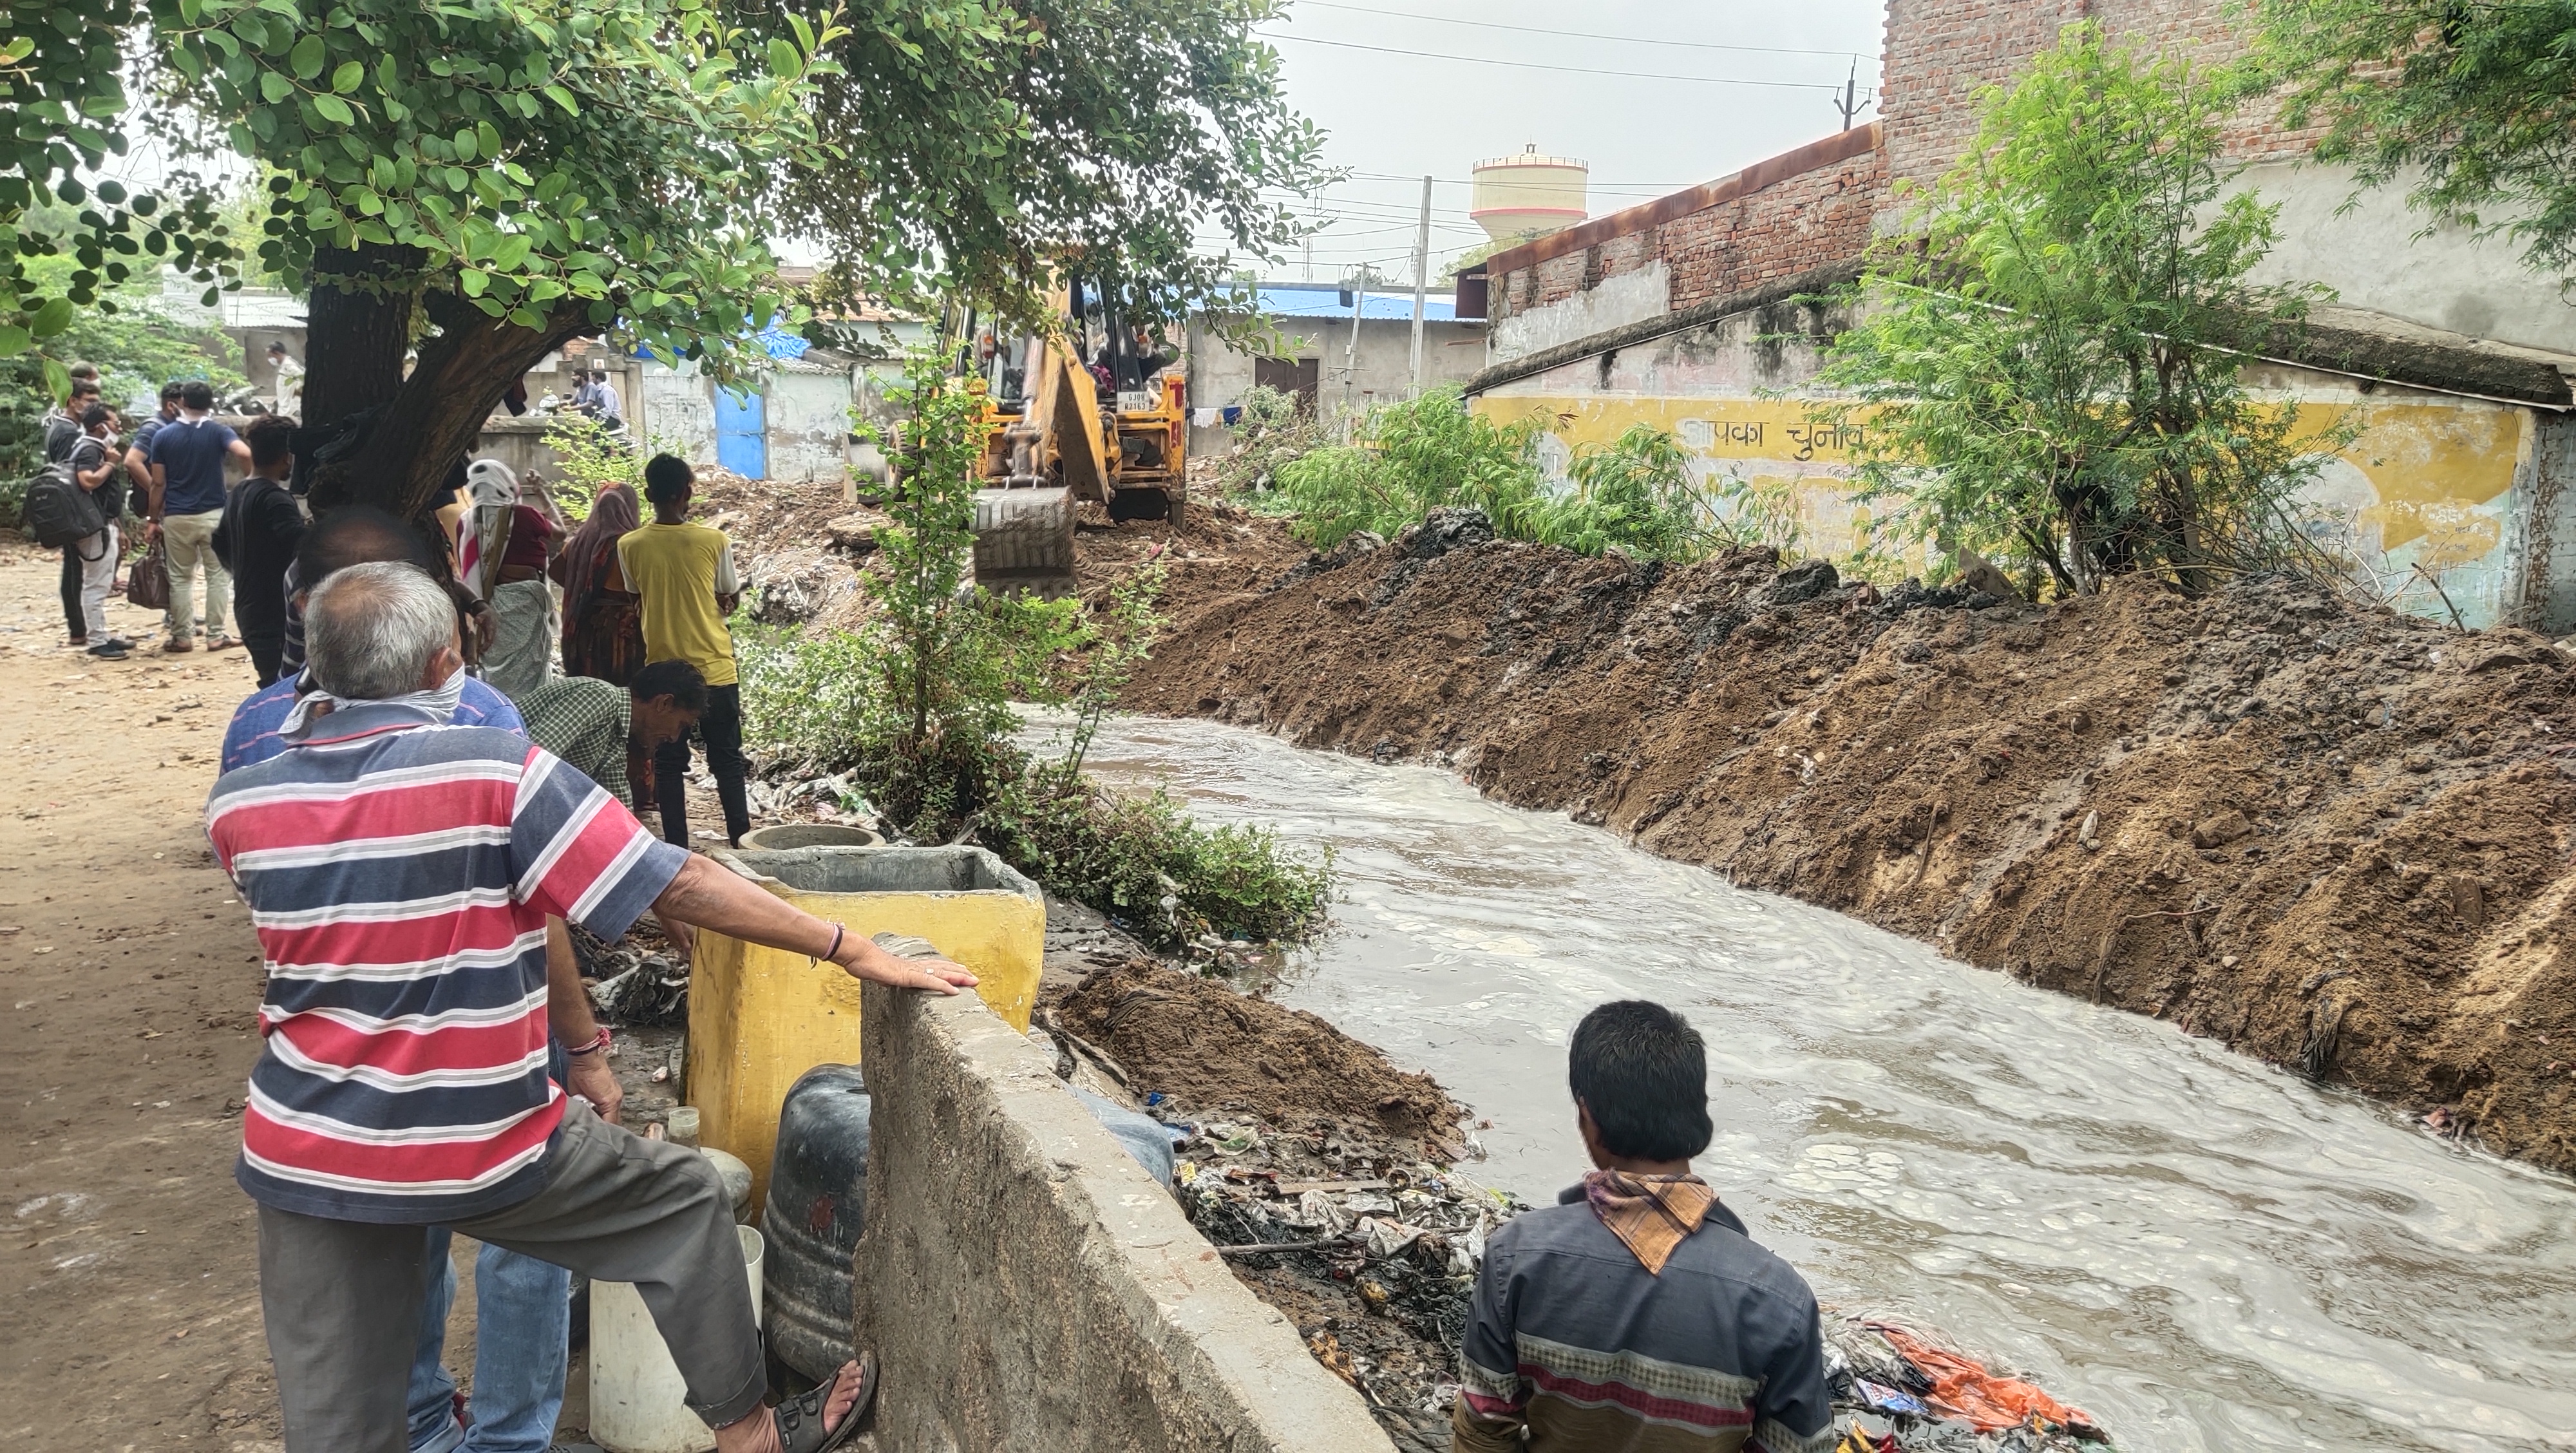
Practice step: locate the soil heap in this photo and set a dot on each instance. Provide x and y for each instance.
(2336, 838)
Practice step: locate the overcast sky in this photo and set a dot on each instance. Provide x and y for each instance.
(1656, 96)
(1649, 99)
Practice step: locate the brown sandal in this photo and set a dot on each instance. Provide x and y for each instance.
(800, 1418)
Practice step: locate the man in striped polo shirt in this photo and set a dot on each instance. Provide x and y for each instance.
(399, 871)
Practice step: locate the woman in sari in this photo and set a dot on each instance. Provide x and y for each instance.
(603, 629)
(501, 556)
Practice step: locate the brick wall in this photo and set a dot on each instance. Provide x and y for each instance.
(1784, 216)
(1940, 53)
(1790, 227)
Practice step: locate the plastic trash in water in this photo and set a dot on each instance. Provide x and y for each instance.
(1878, 1397)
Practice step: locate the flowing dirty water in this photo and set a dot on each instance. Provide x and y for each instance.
(2204, 1252)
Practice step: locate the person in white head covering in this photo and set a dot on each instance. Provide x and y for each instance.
(502, 548)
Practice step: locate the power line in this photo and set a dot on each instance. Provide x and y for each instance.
(1542, 66)
(1574, 34)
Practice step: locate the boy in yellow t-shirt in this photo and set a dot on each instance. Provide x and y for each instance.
(684, 573)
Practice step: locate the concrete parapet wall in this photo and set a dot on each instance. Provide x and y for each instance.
(1025, 1285)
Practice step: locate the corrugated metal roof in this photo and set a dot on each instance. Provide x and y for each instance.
(1322, 300)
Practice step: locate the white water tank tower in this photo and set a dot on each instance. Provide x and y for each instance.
(1528, 195)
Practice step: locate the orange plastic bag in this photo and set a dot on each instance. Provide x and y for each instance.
(1964, 1389)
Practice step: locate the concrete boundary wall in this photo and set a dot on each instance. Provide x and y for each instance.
(1027, 1286)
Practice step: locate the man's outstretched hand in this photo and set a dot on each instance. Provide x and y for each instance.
(864, 960)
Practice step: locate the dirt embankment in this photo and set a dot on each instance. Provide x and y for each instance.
(2337, 840)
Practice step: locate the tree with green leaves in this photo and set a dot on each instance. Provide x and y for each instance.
(990, 146)
(2473, 105)
(475, 183)
(62, 87)
(2044, 366)
(949, 657)
(480, 182)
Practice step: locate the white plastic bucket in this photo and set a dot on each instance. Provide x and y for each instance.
(638, 1404)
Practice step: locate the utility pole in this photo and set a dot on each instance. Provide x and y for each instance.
(1421, 281)
(1849, 102)
(1351, 352)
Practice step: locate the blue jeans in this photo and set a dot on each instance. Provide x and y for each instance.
(522, 1328)
(522, 1344)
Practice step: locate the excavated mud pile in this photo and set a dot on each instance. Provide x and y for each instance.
(2338, 840)
(1220, 1052)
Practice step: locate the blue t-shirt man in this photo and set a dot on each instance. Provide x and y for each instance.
(253, 736)
(189, 453)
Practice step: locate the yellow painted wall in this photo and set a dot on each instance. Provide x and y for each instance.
(758, 1018)
(2427, 482)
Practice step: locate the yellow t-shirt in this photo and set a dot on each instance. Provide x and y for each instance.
(679, 570)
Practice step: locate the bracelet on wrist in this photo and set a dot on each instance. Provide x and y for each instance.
(596, 1044)
(834, 952)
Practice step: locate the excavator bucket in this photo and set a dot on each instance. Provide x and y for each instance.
(1024, 541)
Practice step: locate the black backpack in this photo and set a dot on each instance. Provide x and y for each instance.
(57, 511)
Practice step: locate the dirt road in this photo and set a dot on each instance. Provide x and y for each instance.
(133, 986)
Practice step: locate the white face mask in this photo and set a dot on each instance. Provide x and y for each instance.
(436, 706)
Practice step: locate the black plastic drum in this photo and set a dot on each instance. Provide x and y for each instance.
(818, 1194)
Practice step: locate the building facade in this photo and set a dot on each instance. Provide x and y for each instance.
(2450, 355)
(1321, 359)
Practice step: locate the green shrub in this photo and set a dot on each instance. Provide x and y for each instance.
(1635, 495)
(805, 697)
(1406, 460)
(1169, 880)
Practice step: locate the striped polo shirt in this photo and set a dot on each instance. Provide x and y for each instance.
(399, 873)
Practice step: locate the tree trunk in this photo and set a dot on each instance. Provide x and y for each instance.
(356, 335)
(428, 426)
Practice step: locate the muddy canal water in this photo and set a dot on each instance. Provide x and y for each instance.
(2203, 1252)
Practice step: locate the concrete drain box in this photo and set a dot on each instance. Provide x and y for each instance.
(759, 1017)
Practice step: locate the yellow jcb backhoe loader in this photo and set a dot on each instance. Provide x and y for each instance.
(1055, 442)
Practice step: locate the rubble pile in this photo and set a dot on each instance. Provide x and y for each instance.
(1370, 1252)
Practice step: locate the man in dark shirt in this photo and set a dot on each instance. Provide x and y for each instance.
(188, 456)
(1636, 1314)
(256, 541)
(63, 427)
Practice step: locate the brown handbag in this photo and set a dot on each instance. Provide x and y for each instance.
(147, 581)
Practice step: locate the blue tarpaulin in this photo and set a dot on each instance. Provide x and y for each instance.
(1323, 300)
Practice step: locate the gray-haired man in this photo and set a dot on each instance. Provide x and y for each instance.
(399, 872)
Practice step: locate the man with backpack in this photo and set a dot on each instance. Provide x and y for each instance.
(188, 456)
(89, 563)
(63, 427)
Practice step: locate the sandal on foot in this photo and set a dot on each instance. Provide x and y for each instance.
(800, 1418)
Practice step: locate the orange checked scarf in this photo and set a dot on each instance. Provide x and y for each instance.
(1651, 1215)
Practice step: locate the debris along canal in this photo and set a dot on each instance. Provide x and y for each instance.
(2201, 1251)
